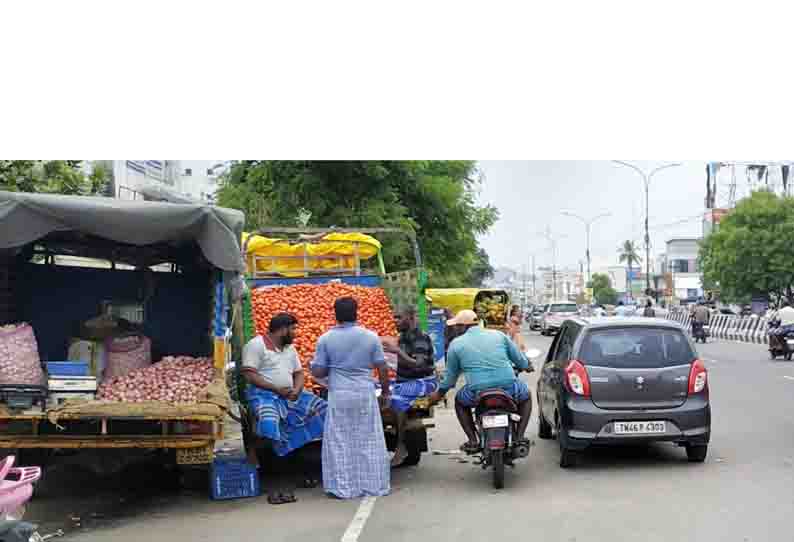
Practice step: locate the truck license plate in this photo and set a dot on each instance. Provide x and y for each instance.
(639, 428)
(491, 422)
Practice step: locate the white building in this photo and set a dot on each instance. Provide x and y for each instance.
(681, 266)
(178, 181)
(564, 284)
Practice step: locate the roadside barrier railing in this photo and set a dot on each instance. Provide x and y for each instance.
(749, 329)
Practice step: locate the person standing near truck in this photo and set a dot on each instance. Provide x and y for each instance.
(355, 459)
(416, 373)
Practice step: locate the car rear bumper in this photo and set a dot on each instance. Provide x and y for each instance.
(583, 423)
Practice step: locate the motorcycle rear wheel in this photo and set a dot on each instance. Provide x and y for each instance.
(498, 463)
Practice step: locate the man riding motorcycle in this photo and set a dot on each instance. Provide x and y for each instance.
(487, 359)
(700, 318)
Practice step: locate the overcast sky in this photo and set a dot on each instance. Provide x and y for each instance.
(531, 194)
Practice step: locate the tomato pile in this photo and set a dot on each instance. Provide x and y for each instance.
(313, 306)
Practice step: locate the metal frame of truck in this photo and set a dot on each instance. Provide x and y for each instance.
(191, 434)
(393, 283)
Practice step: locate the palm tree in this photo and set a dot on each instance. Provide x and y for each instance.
(629, 253)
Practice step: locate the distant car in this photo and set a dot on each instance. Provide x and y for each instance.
(536, 316)
(555, 315)
(623, 381)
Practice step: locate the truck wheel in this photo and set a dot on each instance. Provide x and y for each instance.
(416, 443)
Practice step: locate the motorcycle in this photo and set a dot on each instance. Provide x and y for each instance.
(496, 419)
(16, 489)
(780, 344)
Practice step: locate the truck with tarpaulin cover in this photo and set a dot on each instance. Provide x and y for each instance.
(168, 271)
(284, 257)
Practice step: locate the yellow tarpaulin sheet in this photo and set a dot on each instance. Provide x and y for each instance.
(454, 299)
(333, 251)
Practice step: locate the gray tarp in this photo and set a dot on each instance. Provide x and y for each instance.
(24, 218)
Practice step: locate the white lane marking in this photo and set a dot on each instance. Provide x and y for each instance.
(788, 377)
(711, 360)
(359, 520)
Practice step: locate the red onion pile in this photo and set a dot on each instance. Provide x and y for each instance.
(19, 356)
(177, 379)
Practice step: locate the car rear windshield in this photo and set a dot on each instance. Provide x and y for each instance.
(636, 347)
(563, 308)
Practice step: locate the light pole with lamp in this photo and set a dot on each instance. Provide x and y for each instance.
(646, 178)
(587, 223)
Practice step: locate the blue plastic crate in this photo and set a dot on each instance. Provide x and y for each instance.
(68, 368)
(233, 478)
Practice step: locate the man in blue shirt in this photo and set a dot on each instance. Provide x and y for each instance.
(486, 358)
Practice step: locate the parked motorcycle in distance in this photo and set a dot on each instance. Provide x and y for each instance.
(780, 344)
(496, 419)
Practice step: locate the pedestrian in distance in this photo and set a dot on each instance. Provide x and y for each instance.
(649, 311)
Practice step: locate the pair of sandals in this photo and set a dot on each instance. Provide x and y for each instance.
(288, 497)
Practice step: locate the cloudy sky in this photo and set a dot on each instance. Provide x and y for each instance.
(531, 194)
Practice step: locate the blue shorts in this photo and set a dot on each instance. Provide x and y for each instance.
(518, 390)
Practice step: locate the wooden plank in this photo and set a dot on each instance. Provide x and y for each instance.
(82, 441)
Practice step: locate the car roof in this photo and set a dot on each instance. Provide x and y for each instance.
(625, 321)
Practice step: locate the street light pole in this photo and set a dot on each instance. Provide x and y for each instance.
(588, 222)
(553, 241)
(646, 178)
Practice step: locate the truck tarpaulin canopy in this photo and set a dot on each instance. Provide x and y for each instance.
(454, 299)
(327, 252)
(25, 218)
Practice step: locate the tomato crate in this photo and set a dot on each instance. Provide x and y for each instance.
(233, 478)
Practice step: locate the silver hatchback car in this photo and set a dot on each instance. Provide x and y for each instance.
(621, 381)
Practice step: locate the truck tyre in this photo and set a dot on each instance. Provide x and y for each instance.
(416, 442)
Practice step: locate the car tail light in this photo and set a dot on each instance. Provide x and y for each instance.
(698, 377)
(576, 379)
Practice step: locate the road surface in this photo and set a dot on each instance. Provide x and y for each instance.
(743, 492)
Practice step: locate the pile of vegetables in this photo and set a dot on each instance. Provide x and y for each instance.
(313, 306)
(492, 311)
(175, 379)
(19, 356)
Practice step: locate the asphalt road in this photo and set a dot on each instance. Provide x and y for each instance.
(742, 492)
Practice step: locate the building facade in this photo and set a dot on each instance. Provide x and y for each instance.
(176, 181)
(683, 279)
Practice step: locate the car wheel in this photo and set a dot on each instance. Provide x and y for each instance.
(544, 427)
(697, 454)
(568, 457)
(788, 356)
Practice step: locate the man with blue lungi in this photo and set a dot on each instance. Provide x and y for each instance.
(416, 373)
(355, 459)
(285, 414)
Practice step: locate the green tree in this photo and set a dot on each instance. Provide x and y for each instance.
(52, 177)
(603, 292)
(481, 271)
(436, 200)
(629, 253)
(750, 253)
